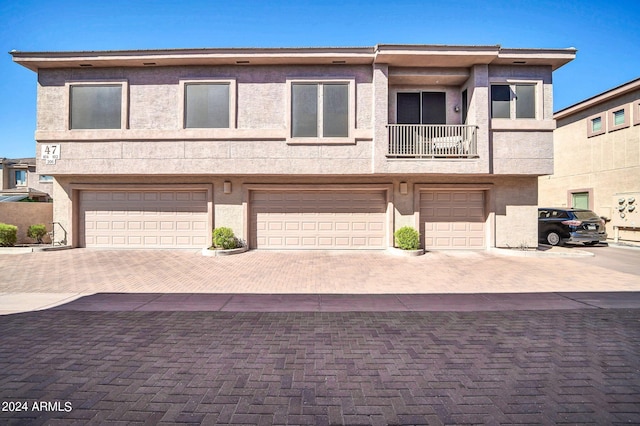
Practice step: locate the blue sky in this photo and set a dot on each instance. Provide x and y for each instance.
(606, 34)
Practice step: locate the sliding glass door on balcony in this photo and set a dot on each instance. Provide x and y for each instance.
(421, 108)
(421, 129)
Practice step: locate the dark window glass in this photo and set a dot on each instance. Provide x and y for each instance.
(207, 105)
(525, 101)
(465, 107)
(335, 110)
(96, 107)
(434, 108)
(408, 108)
(304, 114)
(500, 101)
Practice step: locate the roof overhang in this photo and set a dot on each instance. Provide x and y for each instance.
(394, 55)
(181, 57)
(546, 57)
(598, 99)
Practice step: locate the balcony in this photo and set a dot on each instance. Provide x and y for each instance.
(428, 141)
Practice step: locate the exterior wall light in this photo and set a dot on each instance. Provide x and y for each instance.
(404, 188)
(227, 187)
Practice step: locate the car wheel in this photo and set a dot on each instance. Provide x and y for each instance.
(553, 238)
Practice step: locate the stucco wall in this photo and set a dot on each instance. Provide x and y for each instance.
(155, 141)
(516, 212)
(604, 165)
(24, 215)
(511, 215)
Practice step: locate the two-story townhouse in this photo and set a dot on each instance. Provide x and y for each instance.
(597, 159)
(19, 180)
(297, 148)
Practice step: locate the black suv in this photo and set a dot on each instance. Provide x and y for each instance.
(562, 225)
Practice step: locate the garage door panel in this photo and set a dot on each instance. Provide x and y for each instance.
(323, 219)
(144, 219)
(452, 219)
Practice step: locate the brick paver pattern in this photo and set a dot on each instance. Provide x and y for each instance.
(531, 367)
(155, 271)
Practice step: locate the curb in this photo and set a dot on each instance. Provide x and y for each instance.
(206, 252)
(406, 253)
(551, 252)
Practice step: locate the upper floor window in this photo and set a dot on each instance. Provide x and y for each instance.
(207, 105)
(596, 125)
(513, 101)
(95, 106)
(320, 110)
(46, 178)
(21, 177)
(618, 117)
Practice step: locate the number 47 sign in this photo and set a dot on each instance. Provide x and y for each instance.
(50, 153)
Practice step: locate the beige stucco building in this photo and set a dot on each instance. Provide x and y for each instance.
(597, 160)
(297, 148)
(19, 180)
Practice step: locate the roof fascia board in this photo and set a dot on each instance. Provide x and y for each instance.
(598, 99)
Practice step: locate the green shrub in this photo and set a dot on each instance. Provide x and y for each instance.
(223, 238)
(407, 238)
(8, 235)
(37, 232)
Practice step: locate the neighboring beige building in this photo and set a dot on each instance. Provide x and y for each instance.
(597, 160)
(19, 180)
(297, 148)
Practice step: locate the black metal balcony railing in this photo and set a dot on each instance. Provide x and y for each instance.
(432, 141)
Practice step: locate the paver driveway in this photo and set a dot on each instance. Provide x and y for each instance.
(310, 272)
(527, 367)
(571, 365)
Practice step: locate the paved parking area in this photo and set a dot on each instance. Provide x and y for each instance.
(353, 368)
(306, 272)
(160, 337)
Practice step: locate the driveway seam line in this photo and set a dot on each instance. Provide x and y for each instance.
(229, 297)
(578, 301)
(158, 296)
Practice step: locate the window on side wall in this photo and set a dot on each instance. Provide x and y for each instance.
(320, 110)
(21, 177)
(46, 178)
(95, 106)
(596, 125)
(513, 101)
(207, 105)
(619, 117)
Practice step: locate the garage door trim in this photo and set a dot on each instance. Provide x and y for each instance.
(76, 189)
(386, 188)
(489, 209)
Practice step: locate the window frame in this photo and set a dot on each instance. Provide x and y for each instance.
(611, 115)
(22, 182)
(538, 98)
(182, 109)
(636, 113)
(320, 139)
(421, 93)
(124, 102)
(591, 119)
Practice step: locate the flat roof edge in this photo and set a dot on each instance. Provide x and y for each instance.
(598, 99)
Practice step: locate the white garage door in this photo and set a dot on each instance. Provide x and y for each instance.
(318, 219)
(144, 219)
(452, 219)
